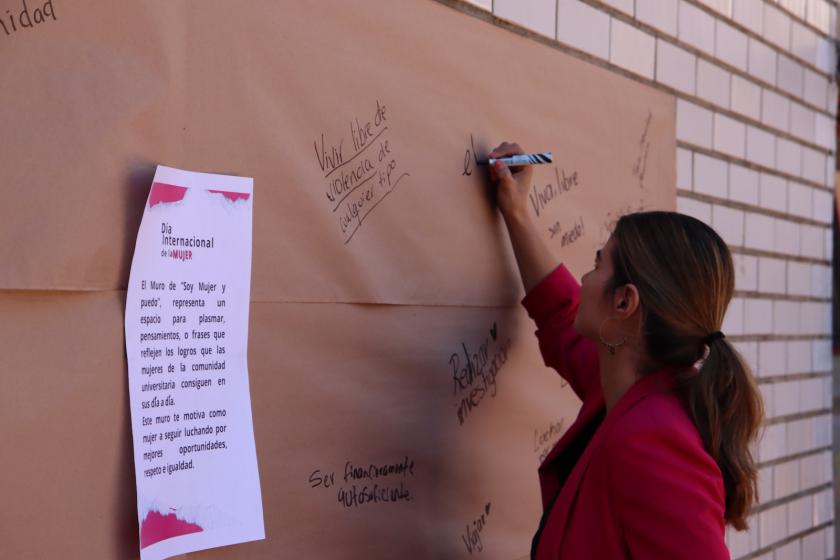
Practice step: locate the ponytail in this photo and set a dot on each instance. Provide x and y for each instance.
(726, 407)
(685, 276)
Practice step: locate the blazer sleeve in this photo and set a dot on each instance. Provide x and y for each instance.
(668, 495)
(553, 304)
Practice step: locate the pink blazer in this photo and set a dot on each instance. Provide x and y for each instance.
(634, 483)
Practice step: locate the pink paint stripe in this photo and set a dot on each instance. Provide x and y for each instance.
(157, 527)
(161, 192)
(230, 195)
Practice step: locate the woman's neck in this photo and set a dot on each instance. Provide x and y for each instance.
(619, 372)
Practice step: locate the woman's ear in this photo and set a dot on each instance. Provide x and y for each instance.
(625, 300)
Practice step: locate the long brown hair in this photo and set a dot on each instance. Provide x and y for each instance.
(685, 277)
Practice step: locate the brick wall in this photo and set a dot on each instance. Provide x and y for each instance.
(756, 143)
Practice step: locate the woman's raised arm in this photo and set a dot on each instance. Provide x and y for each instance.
(534, 259)
(553, 294)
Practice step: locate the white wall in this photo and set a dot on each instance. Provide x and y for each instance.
(755, 156)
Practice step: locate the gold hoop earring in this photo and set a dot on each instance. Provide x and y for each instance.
(612, 346)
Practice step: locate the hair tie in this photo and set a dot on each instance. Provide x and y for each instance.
(708, 339)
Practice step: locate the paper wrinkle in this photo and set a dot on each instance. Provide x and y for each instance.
(208, 89)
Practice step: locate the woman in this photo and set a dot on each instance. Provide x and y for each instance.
(658, 460)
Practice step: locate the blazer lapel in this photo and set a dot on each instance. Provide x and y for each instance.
(657, 382)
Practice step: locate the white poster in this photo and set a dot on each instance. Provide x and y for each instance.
(186, 333)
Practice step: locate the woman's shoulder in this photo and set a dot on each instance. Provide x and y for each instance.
(657, 410)
(659, 422)
(656, 440)
(658, 474)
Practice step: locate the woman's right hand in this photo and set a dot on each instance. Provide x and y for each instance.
(513, 183)
(533, 257)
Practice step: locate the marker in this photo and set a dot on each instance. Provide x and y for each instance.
(520, 159)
